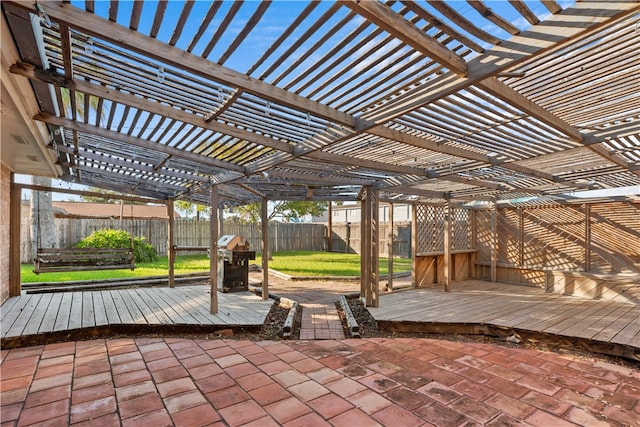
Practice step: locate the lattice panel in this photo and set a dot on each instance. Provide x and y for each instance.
(615, 237)
(430, 227)
(460, 229)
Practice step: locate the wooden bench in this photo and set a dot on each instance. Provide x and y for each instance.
(79, 259)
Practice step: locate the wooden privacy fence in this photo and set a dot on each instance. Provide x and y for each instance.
(282, 236)
(589, 250)
(346, 238)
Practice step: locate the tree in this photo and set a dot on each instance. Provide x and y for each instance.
(189, 208)
(289, 211)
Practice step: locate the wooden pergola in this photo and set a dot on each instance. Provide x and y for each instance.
(428, 102)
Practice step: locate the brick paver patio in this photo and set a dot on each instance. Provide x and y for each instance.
(396, 382)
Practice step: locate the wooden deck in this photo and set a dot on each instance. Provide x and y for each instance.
(514, 309)
(188, 306)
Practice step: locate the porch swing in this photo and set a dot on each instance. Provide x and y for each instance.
(54, 260)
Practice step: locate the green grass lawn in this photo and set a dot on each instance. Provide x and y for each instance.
(184, 264)
(298, 263)
(303, 263)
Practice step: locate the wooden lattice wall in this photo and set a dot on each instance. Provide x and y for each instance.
(431, 223)
(430, 231)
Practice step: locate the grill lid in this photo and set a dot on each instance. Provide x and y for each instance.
(231, 242)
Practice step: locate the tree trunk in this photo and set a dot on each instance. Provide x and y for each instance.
(43, 232)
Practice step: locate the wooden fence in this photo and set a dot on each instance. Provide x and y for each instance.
(582, 250)
(346, 238)
(283, 236)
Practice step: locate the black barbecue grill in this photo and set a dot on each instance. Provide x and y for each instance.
(233, 263)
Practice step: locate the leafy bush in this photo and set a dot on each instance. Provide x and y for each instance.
(109, 238)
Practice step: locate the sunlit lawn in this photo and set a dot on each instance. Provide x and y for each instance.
(298, 263)
(302, 263)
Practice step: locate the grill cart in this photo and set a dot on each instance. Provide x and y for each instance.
(233, 263)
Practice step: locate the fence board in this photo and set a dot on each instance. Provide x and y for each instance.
(283, 236)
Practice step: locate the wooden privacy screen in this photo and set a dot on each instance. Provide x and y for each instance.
(430, 244)
(578, 240)
(555, 237)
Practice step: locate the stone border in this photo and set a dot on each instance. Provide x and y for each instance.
(352, 323)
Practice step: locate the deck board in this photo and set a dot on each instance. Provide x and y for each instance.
(32, 314)
(511, 306)
(49, 320)
(64, 311)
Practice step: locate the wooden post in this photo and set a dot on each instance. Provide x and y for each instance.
(220, 220)
(473, 217)
(330, 228)
(213, 250)
(374, 251)
(494, 241)
(170, 251)
(587, 237)
(521, 237)
(265, 248)
(414, 243)
(365, 246)
(447, 244)
(390, 249)
(15, 287)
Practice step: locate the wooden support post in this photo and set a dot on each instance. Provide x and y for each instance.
(494, 241)
(587, 237)
(213, 251)
(520, 237)
(414, 243)
(220, 220)
(473, 217)
(390, 249)
(447, 244)
(330, 228)
(374, 251)
(15, 287)
(365, 245)
(265, 248)
(170, 251)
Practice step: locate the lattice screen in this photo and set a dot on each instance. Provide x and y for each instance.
(430, 228)
(430, 223)
(460, 229)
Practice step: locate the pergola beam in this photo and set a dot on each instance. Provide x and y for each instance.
(94, 25)
(396, 25)
(138, 142)
(100, 91)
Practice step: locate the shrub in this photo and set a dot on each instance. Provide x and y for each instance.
(109, 238)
